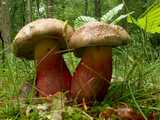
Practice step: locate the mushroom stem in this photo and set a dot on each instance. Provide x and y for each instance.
(93, 74)
(52, 72)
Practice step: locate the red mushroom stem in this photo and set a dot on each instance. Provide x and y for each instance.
(93, 74)
(52, 72)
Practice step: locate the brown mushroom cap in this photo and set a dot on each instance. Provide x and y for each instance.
(99, 34)
(31, 34)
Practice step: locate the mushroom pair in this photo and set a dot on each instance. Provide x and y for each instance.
(42, 40)
(93, 42)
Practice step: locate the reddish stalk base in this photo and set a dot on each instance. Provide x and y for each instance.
(92, 77)
(52, 75)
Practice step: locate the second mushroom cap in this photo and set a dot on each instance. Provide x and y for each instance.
(99, 34)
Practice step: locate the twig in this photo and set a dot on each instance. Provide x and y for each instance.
(3, 55)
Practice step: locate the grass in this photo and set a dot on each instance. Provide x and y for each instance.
(135, 82)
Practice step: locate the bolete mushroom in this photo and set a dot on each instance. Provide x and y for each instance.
(41, 40)
(93, 42)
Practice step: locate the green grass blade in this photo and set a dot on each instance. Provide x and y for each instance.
(121, 18)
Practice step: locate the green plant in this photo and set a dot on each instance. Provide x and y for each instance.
(109, 17)
(149, 20)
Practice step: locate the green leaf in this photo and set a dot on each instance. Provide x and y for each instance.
(111, 13)
(150, 19)
(81, 20)
(121, 17)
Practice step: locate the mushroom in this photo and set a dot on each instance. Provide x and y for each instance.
(93, 42)
(41, 40)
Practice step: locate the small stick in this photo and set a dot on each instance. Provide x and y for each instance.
(3, 55)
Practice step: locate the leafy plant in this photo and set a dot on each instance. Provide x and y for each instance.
(109, 17)
(149, 20)
(111, 13)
